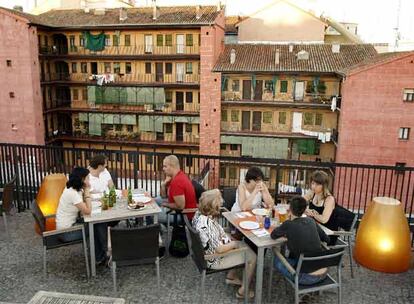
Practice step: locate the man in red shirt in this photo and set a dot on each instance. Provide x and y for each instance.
(177, 187)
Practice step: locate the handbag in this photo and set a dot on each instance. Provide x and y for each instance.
(178, 244)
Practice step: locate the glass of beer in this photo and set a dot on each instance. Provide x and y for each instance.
(283, 215)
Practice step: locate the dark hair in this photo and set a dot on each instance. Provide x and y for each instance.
(298, 205)
(98, 160)
(76, 178)
(254, 173)
(322, 178)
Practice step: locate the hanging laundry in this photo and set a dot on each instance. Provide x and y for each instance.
(328, 136)
(333, 104)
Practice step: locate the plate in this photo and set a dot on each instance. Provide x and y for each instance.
(249, 225)
(96, 196)
(142, 199)
(134, 209)
(260, 211)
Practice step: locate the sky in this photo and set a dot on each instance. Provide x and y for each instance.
(376, 19)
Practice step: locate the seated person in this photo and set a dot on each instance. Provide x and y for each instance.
(215, 240)
(303, 236)
(99, 177)
(252, 192)
(177, 187)
(74, 199)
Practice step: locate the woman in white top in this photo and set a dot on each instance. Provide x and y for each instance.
(215, 240)
(252, 192)
(99, 177)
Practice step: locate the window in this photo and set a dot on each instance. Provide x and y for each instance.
(223, 147)
(400, 168)
(282, 118)
(235, 85)
(189, 128)
(74, 67)
(234, 147)
(404, 133)
(267, 117)
(168, 96)
(71, 41)
(81, 40)
(308, 119)
(232, 173)
(234, 116)
(168, 40)
(318, 119)
(115, 39)
(223, 115)
(409, 95)
(128, 68)
(189, 97)
(283, 86)
(118, 128)
(222, 172)
(107, 40)
(168, 68)
(75, 94)
(160, 136)
(46, 41)
(11, 94)
(160, 40)
(130, 128)
(84, 95)
(117, 68)
(147, 67)
(9, 63)
(269, 85)
(127, 40)
(107, 67)
(189, 40)
(189, 68)
(199, 39)
(168, 128)
(84, 67)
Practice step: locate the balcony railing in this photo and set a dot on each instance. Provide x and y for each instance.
(126, 78)
(175, 49)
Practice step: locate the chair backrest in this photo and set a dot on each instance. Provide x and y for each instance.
(229, 197)
(139, 243)
(8, 195)
(198, 188)
(38, 216)
(195, 246)
(345, 218)
(313, 261)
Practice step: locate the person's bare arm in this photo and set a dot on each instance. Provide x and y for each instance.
(179, 203)
(327, 211)
(164, 185)
(85, 207)
(227, 247)
(267, 198)
(245, 202)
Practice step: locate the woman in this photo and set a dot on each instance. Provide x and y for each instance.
(215, 240)
(321, 201)
(99, 178)
(252, 192)
(74, 199)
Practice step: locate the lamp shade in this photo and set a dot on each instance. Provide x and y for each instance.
(383, 237)
(48, 197)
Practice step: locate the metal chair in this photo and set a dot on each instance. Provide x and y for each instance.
(6, 203)
(132, 246)
(199, 258)
(52, 239)
(309, 263)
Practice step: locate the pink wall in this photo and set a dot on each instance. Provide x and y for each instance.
(372, 112)
(18, 43)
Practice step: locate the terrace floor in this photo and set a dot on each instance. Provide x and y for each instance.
(21, 277)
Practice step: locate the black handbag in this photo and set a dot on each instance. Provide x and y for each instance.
(178, 244)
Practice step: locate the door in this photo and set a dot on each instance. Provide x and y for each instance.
(247, 89)
(299, 90)
(258, 90)
(179, 101)
(159, 77)
(257, 121)
(179, 134)
(148, 44)
(94, 68)
(180, 72)
(245, 120)
(180, 44)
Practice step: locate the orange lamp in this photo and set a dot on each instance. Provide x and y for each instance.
(383, 237)
(48, 197)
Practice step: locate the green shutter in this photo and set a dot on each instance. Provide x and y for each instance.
(274, 79)
(94, 42)
(95, 124)
(128, 120)
(160, 40)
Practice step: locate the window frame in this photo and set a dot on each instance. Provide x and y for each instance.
(284, 88)
(148, 67)
(128, 70)
(233, 117)
(265, 114)
(404, 133)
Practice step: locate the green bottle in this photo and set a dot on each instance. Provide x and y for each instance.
(112, 197)
(105, 202)
(129, 196)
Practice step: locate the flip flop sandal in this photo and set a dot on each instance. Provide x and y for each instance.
(233, 282)
(241, 296)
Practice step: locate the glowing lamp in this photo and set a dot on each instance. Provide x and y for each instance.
(48, 197)
(383, 237)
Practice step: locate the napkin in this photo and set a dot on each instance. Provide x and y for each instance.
(243, 214)
(260, 232)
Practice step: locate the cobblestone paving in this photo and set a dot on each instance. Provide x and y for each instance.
(21, 277)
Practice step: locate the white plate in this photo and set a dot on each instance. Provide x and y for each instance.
(249, 225)
(142, 199)
(260, 211)
(133, 209)
(96, 196)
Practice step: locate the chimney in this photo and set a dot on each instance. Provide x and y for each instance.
(123, 14)
(277, 57)
(232, 56)
(336, 48)
(198, 12)
(154, 10)
(290, 48)
(219, 6)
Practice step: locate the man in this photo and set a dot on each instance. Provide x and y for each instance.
(177, 191)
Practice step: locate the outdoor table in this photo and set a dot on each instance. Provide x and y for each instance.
(65, 298)
(116, 213)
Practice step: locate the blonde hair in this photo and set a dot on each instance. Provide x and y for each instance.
(322, 178)
(210, 203)
(173, 161)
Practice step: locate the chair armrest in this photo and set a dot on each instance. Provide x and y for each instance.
(224, 209)
(343, 233)
(285, 262)
(189, 210)
(218, 255)
(61, 231)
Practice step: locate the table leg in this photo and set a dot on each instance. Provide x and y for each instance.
(259, 274)
(92, 249)
(156, 219)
